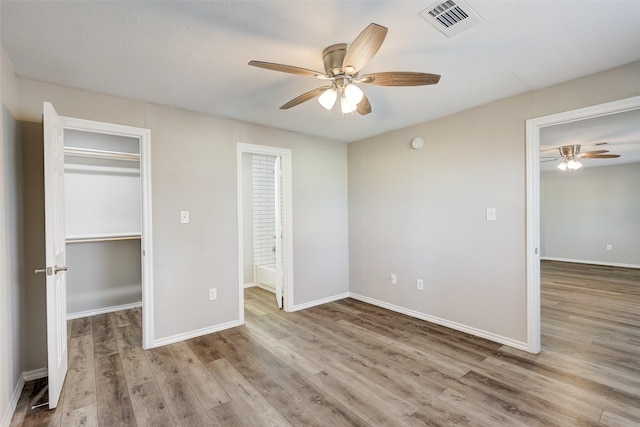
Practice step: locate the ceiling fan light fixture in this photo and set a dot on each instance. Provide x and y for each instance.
(353, 94)
(563, 166)
(342, 64)
(346, 106)
(328, 98)
(573, 164)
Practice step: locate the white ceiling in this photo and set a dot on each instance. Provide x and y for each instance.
(194, 54)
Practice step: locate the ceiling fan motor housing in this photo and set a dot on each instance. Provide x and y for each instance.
(332, 57)
(569, 150)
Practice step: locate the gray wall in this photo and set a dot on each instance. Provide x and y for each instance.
(103, 275)
(421, 213)
(584, 211)
(11, 259)
(33, 325)
(194, 168)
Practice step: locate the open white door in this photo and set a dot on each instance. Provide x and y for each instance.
(277, 176)
(55, 269)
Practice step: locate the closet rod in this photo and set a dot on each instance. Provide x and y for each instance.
(101, 239)
(104, 154)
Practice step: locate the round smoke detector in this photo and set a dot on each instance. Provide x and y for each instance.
(417, 143)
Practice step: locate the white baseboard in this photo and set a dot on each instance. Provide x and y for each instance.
(443, 322)
(266, 288)
(36, 374)
(6, 419)
(89, 313)
(249, 285)
(318, 302)
(580, 261)
(17, 391)
(198, 332)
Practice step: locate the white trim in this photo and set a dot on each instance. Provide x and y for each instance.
(35, 374)
(265, 287)
(532, 247)
(533, 127)
(286, 155)
(442, 322)
(13, 402)
(581, 261)
(148, 333)
(197, 333)
(82, 238)
(88, 313)
(249, 285)
(144, 136)
(107, 170)
(320, 301)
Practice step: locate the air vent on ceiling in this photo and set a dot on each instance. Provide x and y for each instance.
(451, 17)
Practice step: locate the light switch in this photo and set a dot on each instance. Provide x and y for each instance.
(491, 214)
(184, 217)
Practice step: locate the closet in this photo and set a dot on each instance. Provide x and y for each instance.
(103, 211)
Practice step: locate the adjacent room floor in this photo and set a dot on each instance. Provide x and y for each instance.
(348, 363)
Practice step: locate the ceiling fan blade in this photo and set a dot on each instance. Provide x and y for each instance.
(400, 78)
(288, 69)
(363, 48)
(549, 160)
(305, 97)
(603, 156)
(592, 153)
(364, 106)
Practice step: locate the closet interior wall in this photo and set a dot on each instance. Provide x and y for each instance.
(102, 222)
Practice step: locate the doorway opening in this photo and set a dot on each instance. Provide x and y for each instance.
(533, 128)
(108, 220)
(265, 223)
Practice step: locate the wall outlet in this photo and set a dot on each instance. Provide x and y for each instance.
(213, 294)
(420, 284)
(609, 247)
(393, 279)
(184, 217)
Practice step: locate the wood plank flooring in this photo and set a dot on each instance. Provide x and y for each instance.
(352, 364)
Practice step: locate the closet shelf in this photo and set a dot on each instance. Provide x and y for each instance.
(102, 154)
(103, 237)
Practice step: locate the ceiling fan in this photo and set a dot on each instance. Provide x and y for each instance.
(570, 153)
(342, 65)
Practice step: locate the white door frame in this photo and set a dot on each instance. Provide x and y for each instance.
(144, 136)
(287, 229)
(277, 181)
(533, 127)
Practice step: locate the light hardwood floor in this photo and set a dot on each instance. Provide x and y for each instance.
(348, 363)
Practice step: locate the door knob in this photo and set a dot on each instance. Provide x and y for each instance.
(56, 269)
(48, 271)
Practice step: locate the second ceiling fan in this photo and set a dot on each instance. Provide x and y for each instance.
(342, 65)
(571, 153)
